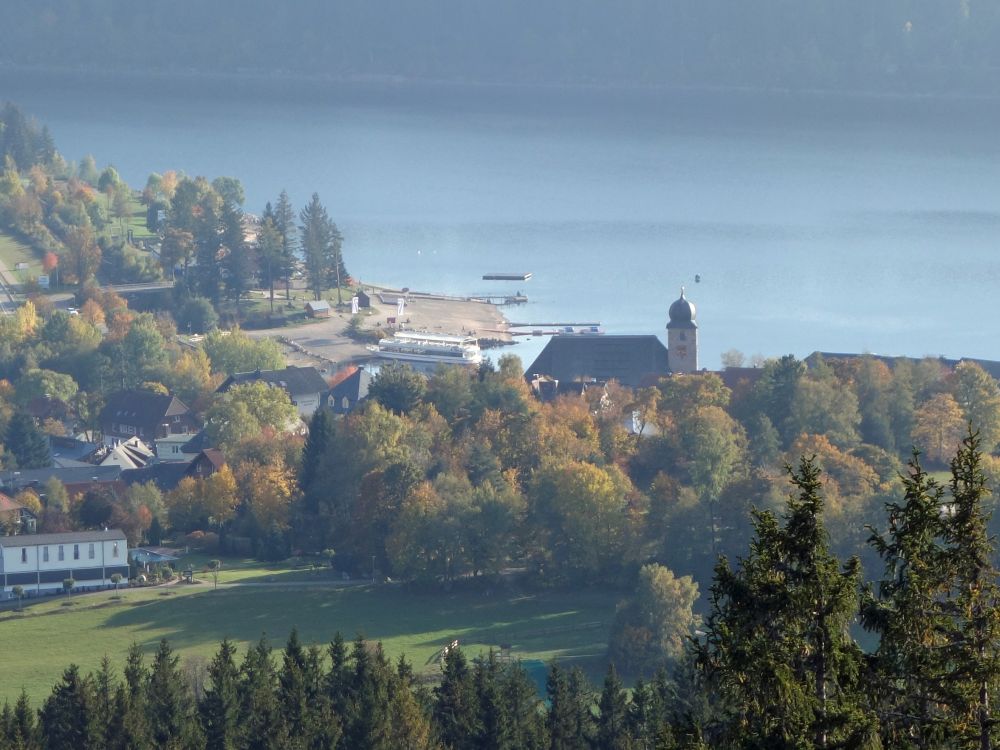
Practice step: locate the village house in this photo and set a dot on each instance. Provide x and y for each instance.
(14, 517)
(349, 387)
(145, 415)
(39, 563)
(304, 385)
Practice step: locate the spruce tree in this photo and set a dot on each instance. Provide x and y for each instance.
(455, 709)
(23, 731)
(492, 709)
(168, 702)
(337, 683)
(293, 698)
(777, 651)
(612, 724)
(368, 723)
(260, 725)
(561, 719)
(219, 708)
(134, 721)
(525, 725)
(284, 220)
(67, 718)
(907, 612)
(974, 604)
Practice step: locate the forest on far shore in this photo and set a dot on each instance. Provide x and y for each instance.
(895, 46)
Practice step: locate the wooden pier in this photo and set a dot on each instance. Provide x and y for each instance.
(506, 276)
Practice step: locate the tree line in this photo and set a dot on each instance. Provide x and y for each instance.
(899, 46)
(774, 664)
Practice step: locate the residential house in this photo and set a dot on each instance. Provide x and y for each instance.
(304, 385)
(145, 415)
(15, 518)
(128, 454)
(77, 479)
(348, 388)
(39, 563)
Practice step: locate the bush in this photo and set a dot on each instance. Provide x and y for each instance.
(196, 315)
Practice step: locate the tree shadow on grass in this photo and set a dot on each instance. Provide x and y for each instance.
(570, 624)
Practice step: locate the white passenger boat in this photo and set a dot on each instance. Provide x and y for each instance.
(417, 347)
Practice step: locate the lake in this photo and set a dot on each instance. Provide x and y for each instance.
(814, 223)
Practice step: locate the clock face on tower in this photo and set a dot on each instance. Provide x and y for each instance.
(682, 351)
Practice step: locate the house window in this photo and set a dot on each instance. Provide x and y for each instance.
(90, 552)
(177, 420)
(76, 551)
(24, 554)
(61, 557)
(114, 550)
(45, 554)
(175, 448)
(345, 404)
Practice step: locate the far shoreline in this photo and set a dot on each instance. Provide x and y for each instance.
(284, 84)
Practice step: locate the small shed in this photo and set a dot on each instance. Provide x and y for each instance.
(318, 309)
(364, 300)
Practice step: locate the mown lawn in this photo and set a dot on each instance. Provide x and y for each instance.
(13, 251)
(48, 636)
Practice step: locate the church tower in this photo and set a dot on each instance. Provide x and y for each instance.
(682, 336)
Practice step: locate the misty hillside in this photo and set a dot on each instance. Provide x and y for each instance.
(903, 46)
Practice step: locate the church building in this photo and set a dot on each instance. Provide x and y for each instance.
(571, 362)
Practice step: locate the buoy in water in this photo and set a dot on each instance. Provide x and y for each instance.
(697, 278)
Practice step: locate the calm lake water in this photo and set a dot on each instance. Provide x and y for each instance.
(838, 225)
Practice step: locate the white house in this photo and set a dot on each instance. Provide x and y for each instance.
(39, 563)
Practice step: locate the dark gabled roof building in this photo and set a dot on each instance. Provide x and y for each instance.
(633, 361)
(145, 415)
(571, 362)
(304, 385)
(348, 390)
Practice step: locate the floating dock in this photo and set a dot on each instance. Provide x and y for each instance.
(506, 276)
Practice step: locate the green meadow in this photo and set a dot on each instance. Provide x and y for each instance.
(49, 635)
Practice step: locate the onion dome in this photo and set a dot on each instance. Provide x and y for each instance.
(682, 313)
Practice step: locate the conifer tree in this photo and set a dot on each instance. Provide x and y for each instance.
(67, 718)
(284, 221)
(337, 683)
(22, 730)
(260, 725)
(524, 727)
(106, 715)
(219, 708)
(168, 702)
(974, 649)
(612, 725)
(561, 719)
(368, 721)
(777, 650)
(134, 721)
(27, 443)
(907, 612)
(455, 709)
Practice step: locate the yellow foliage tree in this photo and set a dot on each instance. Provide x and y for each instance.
(938, 428)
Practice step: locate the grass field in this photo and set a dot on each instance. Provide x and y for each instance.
(13, 251)
(48, 636)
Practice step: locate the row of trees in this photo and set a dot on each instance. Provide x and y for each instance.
(775, 665)
(222, 253)
(924, 46)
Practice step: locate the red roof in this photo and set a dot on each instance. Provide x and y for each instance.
(7, 504)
